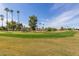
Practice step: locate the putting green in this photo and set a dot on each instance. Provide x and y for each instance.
(38, 35)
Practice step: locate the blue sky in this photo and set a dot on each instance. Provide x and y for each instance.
(49, 14)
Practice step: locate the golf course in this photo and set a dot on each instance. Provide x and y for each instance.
(39, 29)
(59, 43)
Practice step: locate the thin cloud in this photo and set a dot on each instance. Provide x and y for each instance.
(57, 6)
(63, 18)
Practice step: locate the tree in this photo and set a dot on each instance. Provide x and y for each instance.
(33, 22)
(18, 22)
(11, 14)
(2, 18)
(18, 16)
(19, 26)
(62, 28)
(12, 17)
(43, 27)
(12, 25)
(7, 10)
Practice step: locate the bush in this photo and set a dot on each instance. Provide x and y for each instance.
(26, 29)
(2, 28)
(49, 29)
(69, 28)
(54, 29)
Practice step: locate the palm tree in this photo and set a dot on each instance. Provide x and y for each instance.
(18, 16)
(12, 18)
(18, 22)
(11, 14)
(7, 10)
(2, 18)
(43, 27)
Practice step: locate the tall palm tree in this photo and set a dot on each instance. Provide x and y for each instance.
(43, 27)
(11, 14)
(11, 11)
(7, 10)
(2, 18)
(18, 21)
(18, 16)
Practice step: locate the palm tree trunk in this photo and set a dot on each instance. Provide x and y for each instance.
(7, 20)
(2, 23)
(18, 21)
(18, 18)
(12, 16)
(12, 21)
(6, 17)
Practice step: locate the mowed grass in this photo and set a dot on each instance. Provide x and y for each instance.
(11, 45)
(38, 35)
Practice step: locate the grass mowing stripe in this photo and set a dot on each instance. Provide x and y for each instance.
(35, 35)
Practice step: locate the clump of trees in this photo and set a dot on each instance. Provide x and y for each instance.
(11, 25)
(18, 26)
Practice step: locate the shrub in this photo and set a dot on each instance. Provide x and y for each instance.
(69, 28)
(54, 29)
(2, 28)
(49, 29)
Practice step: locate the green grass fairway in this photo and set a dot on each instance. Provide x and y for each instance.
(48, 44)
(38, 35)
